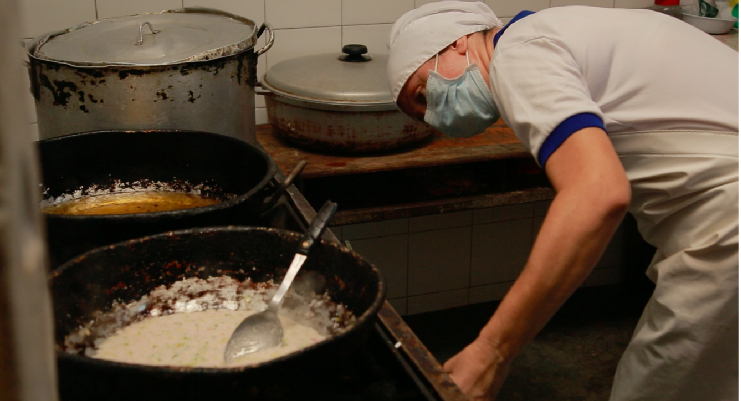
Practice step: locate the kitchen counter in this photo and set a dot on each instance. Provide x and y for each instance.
(498, 142)
(439, 175)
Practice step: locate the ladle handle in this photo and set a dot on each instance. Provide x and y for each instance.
(313, 233)
(317, 227)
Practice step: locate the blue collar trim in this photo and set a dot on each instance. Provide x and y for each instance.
(517, 17)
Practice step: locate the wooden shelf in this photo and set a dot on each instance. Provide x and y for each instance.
(497, 142)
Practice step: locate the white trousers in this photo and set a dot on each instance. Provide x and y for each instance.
(685, 191)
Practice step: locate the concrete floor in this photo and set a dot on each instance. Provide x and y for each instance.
(573, 358)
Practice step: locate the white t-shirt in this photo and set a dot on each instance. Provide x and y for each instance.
(566, 68)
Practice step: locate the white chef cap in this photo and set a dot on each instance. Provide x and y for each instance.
(425, 31)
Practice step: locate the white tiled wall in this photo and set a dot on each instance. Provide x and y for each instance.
(453, 259)
(302, 26)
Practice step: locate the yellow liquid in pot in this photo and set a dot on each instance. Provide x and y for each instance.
(130, 202)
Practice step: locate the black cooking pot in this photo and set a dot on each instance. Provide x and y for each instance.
(81, 161)
(126, 271)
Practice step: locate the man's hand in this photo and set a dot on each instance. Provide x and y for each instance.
(478, 370)
(592, 196)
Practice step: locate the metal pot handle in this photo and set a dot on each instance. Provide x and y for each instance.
(271, 37)
(287, 182)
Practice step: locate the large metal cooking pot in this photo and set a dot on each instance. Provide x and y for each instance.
(342, 103)
(188, 69)
(105, 159)
(129, 270)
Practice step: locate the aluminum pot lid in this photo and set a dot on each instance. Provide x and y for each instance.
(348, 80)
(162, 38)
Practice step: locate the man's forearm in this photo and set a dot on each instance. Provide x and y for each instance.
(573, 237)
(592, 196)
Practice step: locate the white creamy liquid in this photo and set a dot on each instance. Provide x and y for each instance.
(196, 339)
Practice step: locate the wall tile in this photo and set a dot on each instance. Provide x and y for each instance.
(303, 13)
(633, 3)
(510, 8)
(439, 260)
(437, 301)
(116, 8)
(441, 221)
(389, 254)
(503, 213)
(488, 293)
(499, 251)
(290, 43)
(42, 16)
(400, 305)
(376, 229)
(356, 12)
(373, 36)
(593, 3)
(252, 9)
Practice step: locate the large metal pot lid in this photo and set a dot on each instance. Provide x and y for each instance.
(335, 81)
(162, 38)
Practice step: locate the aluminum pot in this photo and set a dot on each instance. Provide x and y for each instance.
(338, 103)
(104, 159)
(186, 69)
(126, 271)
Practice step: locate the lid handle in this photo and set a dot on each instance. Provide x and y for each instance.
(141, 33)
(355, 53)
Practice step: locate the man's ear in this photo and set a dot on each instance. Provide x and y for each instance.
(461, 45)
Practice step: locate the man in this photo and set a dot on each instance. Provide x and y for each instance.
(626, 110)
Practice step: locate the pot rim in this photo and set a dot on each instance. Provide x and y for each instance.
(174, 214)
(364, 319)
(32, 47)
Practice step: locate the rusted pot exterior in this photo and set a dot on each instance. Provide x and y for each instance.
(186, 73)
(209, 96)
(344, 131)
(338, 103)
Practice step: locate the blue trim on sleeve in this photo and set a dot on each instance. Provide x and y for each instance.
(564, 131)
(517, 17)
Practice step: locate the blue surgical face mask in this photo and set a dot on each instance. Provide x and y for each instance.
(462, 106)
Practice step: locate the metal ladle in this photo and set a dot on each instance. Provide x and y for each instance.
(264, 330)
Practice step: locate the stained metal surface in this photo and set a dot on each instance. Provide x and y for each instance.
(419, 356)
(107, 159)
(182, 35)
(129, 270)
(325, 81)
(344, 130)
(212, 96)
(211, 91)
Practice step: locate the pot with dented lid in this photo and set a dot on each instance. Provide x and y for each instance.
(185, 69)
(339, 103)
